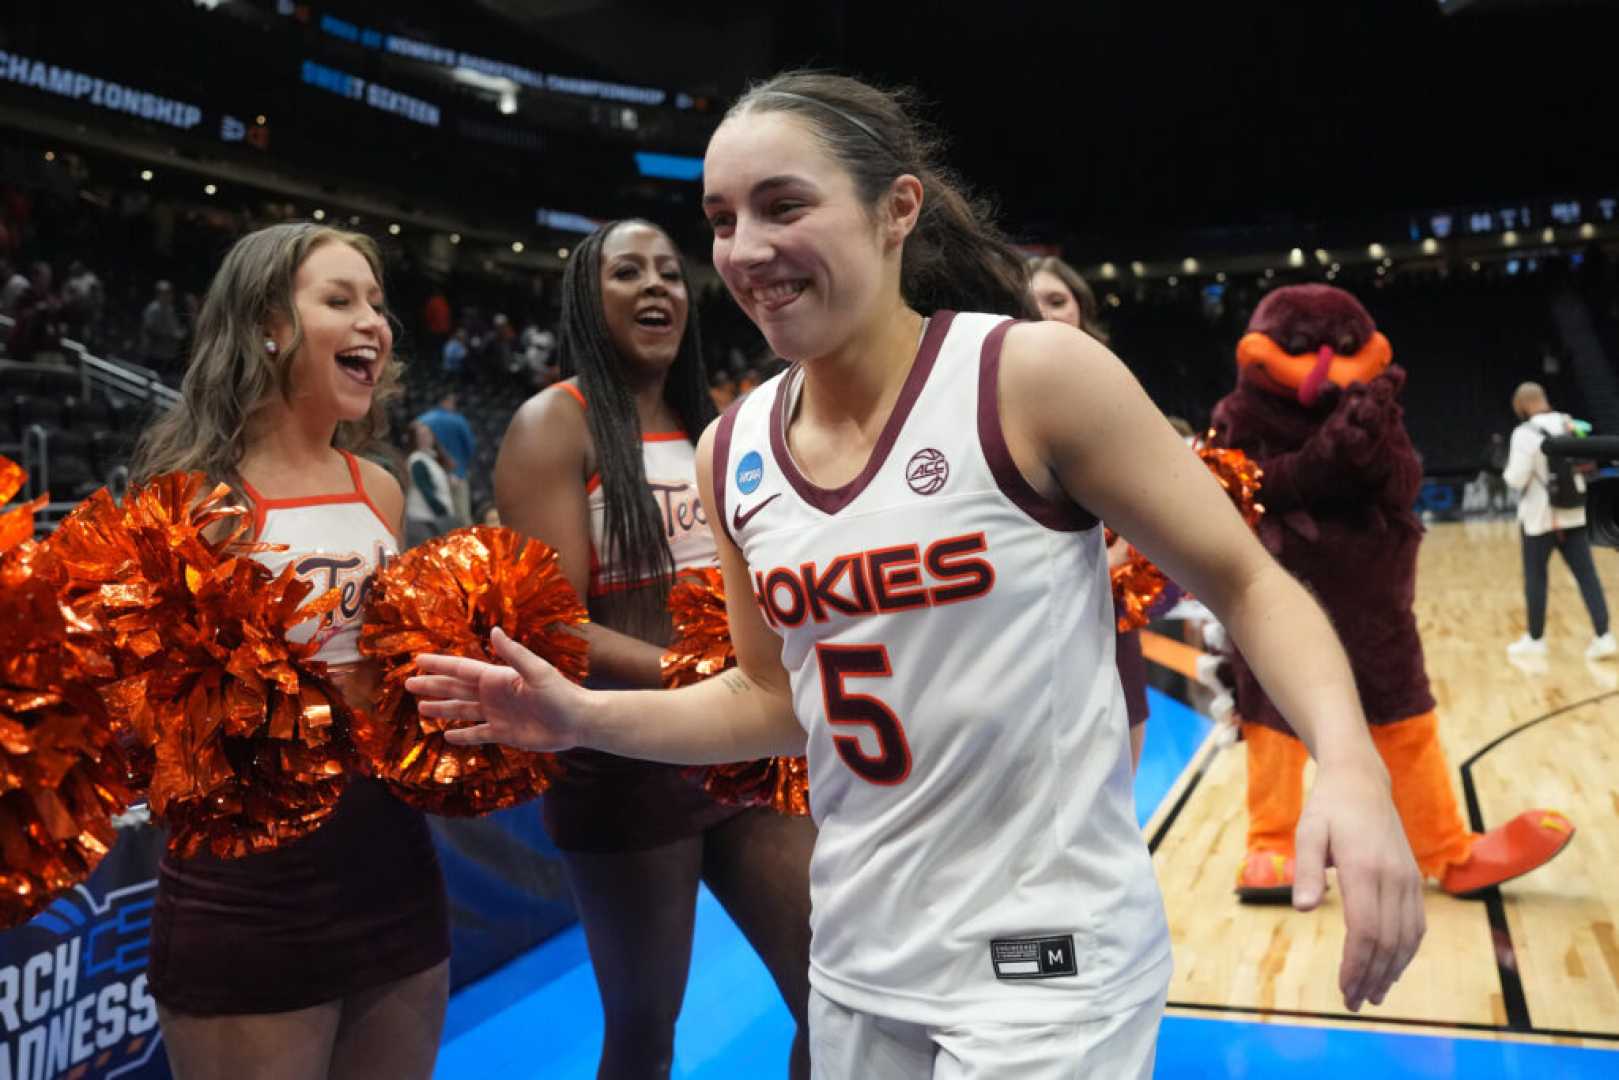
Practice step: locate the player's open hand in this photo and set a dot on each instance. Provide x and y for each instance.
(524, 702)
(1350, 821)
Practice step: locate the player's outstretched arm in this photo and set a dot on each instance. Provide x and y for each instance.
(743, 714)
(1078, 422)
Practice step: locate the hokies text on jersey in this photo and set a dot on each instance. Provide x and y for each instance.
(878, 581)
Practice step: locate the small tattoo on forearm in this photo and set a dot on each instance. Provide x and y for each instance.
(735, 681)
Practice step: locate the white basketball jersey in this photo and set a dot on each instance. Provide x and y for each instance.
(949, 637)
(337, 541)
(670, 460)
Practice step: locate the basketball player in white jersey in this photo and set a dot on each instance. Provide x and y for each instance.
(326, 958)
(603, 468)
(907, 523)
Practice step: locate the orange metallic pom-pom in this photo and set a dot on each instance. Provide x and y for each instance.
(701, 650)
(1138, 584)
(445, 597)
(63, 775)
(702, 643)
(16, 524)
(240, 724)
(1240, 475)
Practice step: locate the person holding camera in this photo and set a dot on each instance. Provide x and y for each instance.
(1551, 514)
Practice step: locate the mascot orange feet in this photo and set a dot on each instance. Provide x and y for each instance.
(1464, 863)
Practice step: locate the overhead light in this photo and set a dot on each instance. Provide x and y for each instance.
(1474, 265)
(1109, 271)
(1588, 231)
(1322, 257)
(1337, 267)
(319, 214)
(1547, 236)
(260, 120)
(146, 174)
(517, 246)
(1220, 276)
(209, 189)
(1295, 257)
(393, 229)
(1430, 246)
(1189, 265)
(1375, 250)
(1510, 238)
(562, 253)
(455, 238)
(1138, 268)
(354, 219)
(507, 104)
(1269, 273)
(1173, 280)
(1332, 275)
(50, 155)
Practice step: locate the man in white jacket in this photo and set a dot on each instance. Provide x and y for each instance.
(1545, 526)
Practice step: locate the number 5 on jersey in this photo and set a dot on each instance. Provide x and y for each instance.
(892, 762)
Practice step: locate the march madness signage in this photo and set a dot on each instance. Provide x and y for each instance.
(74, 1003)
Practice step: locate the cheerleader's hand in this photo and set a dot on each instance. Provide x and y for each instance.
(523, 702)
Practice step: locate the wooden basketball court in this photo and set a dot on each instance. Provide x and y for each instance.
(1539, 960)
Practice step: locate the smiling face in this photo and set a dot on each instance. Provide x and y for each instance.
(643, 296)
(347, 341)
(1055, 299)
(802, 254)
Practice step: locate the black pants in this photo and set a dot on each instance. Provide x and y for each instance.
(1575, 544)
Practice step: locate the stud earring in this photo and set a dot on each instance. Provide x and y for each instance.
(271, 347)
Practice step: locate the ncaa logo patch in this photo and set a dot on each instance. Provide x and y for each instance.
(927, 471)
(749, 472)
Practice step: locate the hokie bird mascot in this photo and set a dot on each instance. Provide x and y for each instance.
(1317, 407)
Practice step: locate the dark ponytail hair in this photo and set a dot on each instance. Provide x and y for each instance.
(635, 537)
(956, 257)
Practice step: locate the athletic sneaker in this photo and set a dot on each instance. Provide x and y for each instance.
(1528, 646)
(1602, 647)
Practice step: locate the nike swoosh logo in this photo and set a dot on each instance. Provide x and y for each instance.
(740, 519)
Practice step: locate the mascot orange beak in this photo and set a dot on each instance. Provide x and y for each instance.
(1308, 373)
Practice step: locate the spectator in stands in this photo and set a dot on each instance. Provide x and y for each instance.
(1545, 527)
(454, 434)
(537, 348)
(489, 514)
(1062, 294)
(38, 315)
(429, 509)
(326, 957)
(161, 330)
(455, 354)
(15, 285)
(498, 348)
(602, 467)
(83, 300)
(435, 319)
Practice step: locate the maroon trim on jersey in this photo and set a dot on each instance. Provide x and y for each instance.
(1058, 516)
(831, 500)
(722, 463)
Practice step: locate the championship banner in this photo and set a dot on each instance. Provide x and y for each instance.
(74, 1003)
(73, 997)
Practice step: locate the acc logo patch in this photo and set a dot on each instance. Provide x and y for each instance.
(927, 471)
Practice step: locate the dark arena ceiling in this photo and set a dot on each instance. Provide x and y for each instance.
(1088, 122)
